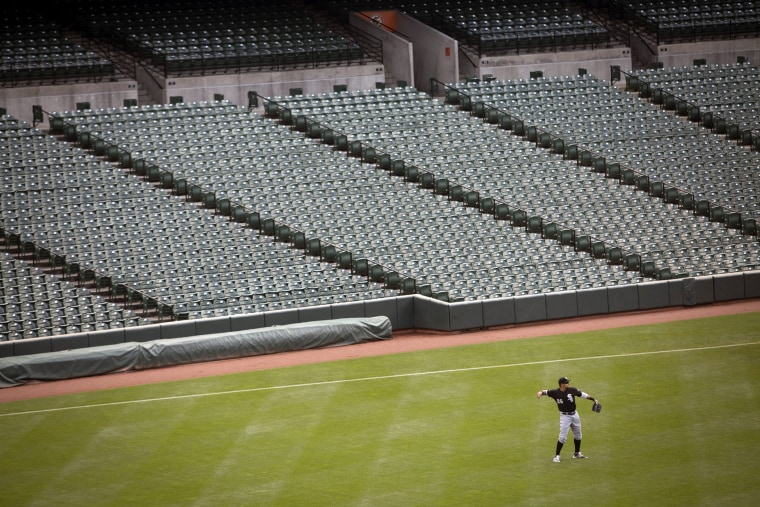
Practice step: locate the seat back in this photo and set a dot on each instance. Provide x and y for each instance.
(412, 174)
(361, 267)
(369, 155)
(613, 171)
(519, 218)
(283, 233)
(487, 205)
(376, 273)
(501, 211)
(535, 225)
(733, 220)
(670, 195)
(648, 269)
(345, 260)
(456, 193)
(355, 149)
(314, 247)
(686, 201)
(253, 220)
(599, 250)
(268, 226)
(615, 255)
(567, 237)
(314, 131)
(392, 280)
(583, 243)
(472, 199)
(518, 128)
(531, 134)
(632, 262)
(551, 231)
(707, 120)
(505, 122)
(408, 286)
(329, 253)
(702, 208)
(657, 189)
(301, 123)
(749, 227)
(238, 213)
(286, 118)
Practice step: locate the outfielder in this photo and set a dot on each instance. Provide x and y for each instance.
(569, 418)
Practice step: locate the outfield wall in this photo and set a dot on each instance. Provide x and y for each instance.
(423, 313)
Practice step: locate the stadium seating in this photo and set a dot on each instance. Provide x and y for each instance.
(716, 92)
(417, 139)
(632, 132)
(199, 38)
(35, 50)
(119, 217)
(689, 20)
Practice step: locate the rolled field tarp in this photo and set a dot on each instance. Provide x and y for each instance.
(91, 361)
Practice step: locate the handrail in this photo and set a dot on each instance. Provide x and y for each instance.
(586, 156)
(683, 107)
(273, 109)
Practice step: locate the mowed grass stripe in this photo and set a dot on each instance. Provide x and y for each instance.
(381, 377)
(677, 429)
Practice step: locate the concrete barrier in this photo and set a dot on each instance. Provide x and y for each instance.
(562, 305)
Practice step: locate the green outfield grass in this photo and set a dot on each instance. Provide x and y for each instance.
(457, 426)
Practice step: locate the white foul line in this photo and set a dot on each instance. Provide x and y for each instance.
(383, 377)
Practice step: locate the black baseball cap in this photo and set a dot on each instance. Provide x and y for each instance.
(563, 380)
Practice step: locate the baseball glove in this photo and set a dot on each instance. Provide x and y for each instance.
(596, 407)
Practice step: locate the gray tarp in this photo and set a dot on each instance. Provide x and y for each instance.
(155, 354)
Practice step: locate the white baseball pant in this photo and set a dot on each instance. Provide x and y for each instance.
(569, 421)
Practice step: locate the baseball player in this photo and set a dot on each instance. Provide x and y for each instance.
(565, 397)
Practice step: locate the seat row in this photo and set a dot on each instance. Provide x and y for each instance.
(371, 120)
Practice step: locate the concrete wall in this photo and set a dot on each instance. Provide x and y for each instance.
(643, 51)
(64, 97)
(436, 315)
(398, 57)
(436, 55)
(235, 87)
(715, 52)
(427, 53)
(154, 86)
(566, 63)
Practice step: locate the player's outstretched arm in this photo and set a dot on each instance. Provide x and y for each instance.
(540, 393)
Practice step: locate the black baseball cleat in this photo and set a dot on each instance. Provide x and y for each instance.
(578, 455)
